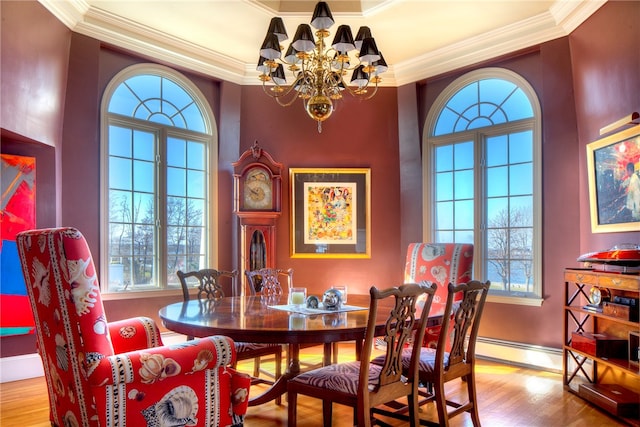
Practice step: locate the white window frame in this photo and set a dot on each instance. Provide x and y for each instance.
(477, 135)
(210, 137)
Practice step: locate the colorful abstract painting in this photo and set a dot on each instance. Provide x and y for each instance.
(17, 213)
(329, 213)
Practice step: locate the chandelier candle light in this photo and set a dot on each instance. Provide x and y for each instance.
(319, 71)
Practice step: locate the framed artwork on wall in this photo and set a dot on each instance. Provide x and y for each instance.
(613, 165)
(330, 212)
(18, 213)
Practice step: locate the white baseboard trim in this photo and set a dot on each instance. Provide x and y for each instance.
(537, 357)
(21, 367)
(27, 366)
(527, 355)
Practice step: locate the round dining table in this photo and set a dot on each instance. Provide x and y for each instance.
(254, 319)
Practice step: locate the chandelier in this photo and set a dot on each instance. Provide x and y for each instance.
(319, 71)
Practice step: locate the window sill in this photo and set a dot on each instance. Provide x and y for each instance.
(113, 296)
(502, 299)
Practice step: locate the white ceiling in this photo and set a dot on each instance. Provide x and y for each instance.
(418, 38)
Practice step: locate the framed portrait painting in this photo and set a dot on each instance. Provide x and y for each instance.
(330, 212)
(613, 164)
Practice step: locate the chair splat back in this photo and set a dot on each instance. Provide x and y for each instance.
(463, 322)
(266, 281)
(403, 322)
(208, 282)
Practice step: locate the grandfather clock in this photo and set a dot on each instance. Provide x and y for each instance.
(257, 189)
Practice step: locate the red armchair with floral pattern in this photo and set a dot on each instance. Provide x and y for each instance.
(439, 263)
(119, 373)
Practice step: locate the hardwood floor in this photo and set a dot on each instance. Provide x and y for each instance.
(509, 396)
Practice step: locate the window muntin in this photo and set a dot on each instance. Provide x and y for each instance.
(158, 154)
(482, 177)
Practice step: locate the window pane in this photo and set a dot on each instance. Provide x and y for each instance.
(518, 106)
(464, 184)
(194, 119)
(465, 97)
(144, 145)
(122, 101)
(176, 152)
(196, 184)
(176, 182)
(463, 155)
(495, 90)
(444, 215)
(145, 206)
(120, 174)
(196, 213)
(521, 179)
(119, 141)
(497, 150)
(444, 186)
(196, 155)
(145, 87)
(464, 215)
(521, 147)
(497, 181)
(143, 176)
(444, 158)
(463, 236)
(444, 236)
(497, 208)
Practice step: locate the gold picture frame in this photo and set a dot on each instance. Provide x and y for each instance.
(614, 190)
(330, 212)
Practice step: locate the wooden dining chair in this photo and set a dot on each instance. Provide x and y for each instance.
(209, 287)
(454, 356)
(360, 384)
(267, 281)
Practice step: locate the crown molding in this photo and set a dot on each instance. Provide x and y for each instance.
(562, 18)
(547, 26)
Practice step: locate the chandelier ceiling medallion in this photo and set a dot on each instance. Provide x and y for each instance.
(319, 71)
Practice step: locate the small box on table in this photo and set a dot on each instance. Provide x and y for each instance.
(621, 311)
(612, 398)
(600, 345)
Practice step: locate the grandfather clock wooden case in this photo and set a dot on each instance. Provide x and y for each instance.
(257, 181)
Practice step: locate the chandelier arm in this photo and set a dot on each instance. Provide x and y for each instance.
(280, 96)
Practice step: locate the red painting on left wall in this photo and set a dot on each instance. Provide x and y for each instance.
(17, 213)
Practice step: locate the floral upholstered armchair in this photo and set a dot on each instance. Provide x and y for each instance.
(439, 263)
(119, 373)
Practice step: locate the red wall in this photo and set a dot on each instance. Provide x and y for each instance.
(358, 134)
(605, 52)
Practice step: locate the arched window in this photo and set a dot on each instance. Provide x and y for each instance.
(159, 166)
(482, 179)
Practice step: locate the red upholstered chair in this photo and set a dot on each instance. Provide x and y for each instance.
(439, 263)
(116, 374)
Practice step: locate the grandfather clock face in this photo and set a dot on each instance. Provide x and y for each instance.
(257, 190)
